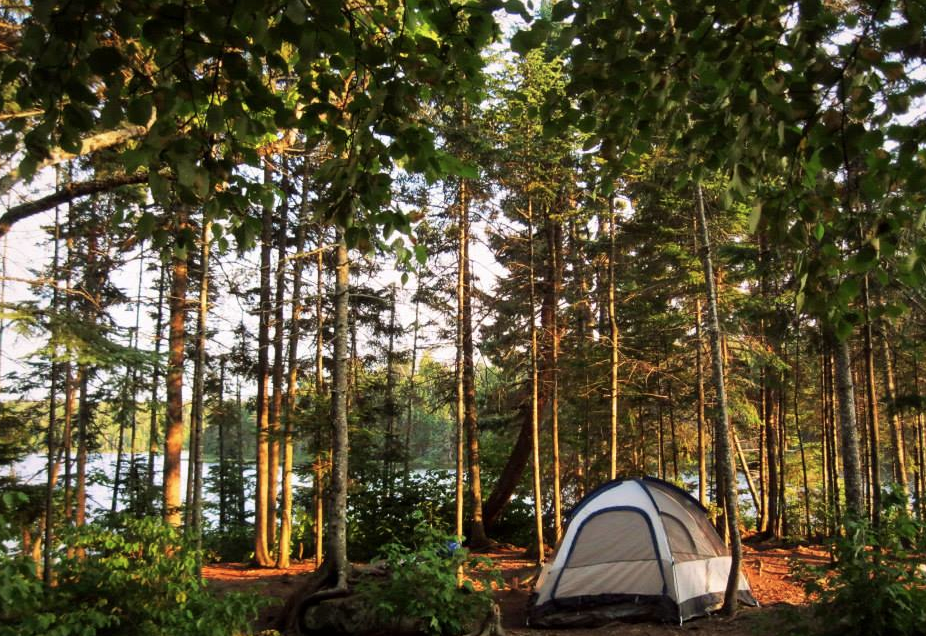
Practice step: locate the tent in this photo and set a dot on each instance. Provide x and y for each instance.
(634, 547)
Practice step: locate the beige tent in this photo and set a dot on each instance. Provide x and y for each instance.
(634, 547)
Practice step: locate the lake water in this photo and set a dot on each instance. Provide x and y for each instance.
(101, 468)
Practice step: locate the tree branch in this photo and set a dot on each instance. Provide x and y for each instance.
(66, 193)
(88, 146)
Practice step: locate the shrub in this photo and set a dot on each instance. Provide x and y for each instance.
(379, 515)
(421, 582)
(234, 542)
(133, 578)
(877, 585)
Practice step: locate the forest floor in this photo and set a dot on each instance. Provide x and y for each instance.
(781, 598)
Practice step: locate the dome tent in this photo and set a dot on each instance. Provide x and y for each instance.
(634, 547)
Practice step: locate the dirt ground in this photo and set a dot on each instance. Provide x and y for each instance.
(781, 598)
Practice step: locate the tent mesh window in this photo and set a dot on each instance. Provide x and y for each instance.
(690, 534)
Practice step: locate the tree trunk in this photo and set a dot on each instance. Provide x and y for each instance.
(173, 437)
(920, 476)
(797, 430)
(721, 426)
(554, 250)
(824, 435)
(133, 459)
(874, 424)
(412, 388)
(289, 405)
(771, 457)
(851, 462)
(51, 472)
(222, 414)
(835, 502)
(318, 474)
(613, 337)
(69, 395)
(702, 437)
(336, 548)
(390, 444)
(155, 381)
(898, 447)
(199, 372)
(262, 493)
(782, 526)
(276, 403)
(477, 536)
(460, 387)
(120, 445)
(83, 426)
(535, 380)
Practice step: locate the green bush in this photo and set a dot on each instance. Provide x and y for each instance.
(877, 586)
(379, 515)
(136, 578)
(421, 582)
(234, 542)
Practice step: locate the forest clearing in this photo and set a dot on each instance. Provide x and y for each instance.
(771, 581)
(363, 290)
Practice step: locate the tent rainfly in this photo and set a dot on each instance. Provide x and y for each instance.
(634, 548)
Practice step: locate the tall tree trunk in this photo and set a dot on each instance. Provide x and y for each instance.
(222, 416)
(851, 462)
(155, 380)
(898, 447)
(120, 444)
(725, 456)
(771, 457)
(199, 384)
(555, 252)
(69, 397)
(289, 405)
(262, 493)
(920, 440)
(613, 337)
(782, 527)
(477, 536)
(702, 437)
(460, 388)
(336, 548)
(583, 335)
(671, 406)
(535, 381)
(874, 424)
(173, 437)
(824, 434)
(51, 471)
(83, 426)
(276, 403)
(133, 461)
(412, 388)
(797, 430)
(390, 445)
(239, 421)
(318, 474)
(835, 501)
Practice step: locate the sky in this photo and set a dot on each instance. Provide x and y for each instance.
(26, 250)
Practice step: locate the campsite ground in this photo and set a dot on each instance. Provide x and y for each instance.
(767, 566)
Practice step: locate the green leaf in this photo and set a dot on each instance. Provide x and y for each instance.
(139, 110)
(528, 39)
(105, 60)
